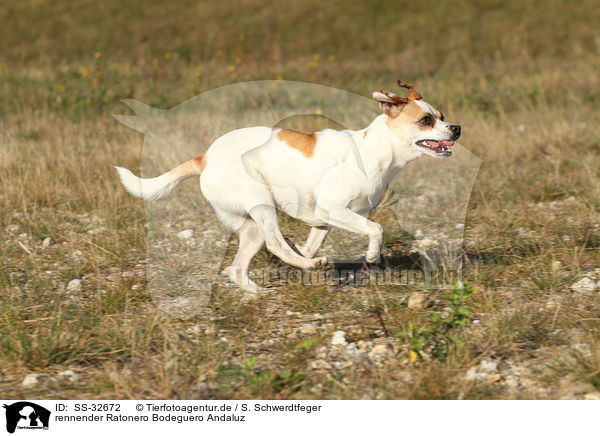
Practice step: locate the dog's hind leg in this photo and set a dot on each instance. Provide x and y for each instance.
(266, 218)
(251, 241)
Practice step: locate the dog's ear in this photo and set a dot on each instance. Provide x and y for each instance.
(390, 103)
(413, 94)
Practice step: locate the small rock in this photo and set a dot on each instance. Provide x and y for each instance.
(74, 285)
(185, 234)
(30, 380)
(128, 275)
(512, 381)
(488, 365)
(492, 378)
(46, 242)
(577, 336)
(553, 302)
(584, 286)
(378, 351)
(472, 373)
(69, 374)
(592, 396)
(353, 353)
(416, 300)
(556, 266)
(343, 364)
(320, 364)
(427, 243)
(308, 329)
(339, 338)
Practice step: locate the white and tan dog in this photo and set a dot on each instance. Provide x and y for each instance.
(327, 178)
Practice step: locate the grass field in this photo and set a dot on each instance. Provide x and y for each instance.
(520, 77)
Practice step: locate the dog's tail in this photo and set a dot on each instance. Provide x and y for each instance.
(161, 186)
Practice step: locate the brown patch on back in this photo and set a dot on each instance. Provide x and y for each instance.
(303, 142)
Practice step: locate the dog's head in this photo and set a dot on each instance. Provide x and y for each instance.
(416, 123)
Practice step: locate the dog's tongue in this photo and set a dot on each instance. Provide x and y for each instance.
(438, 144)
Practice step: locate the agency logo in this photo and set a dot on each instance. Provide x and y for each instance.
(26, 415)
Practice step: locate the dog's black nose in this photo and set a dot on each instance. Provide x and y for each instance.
(455, 128)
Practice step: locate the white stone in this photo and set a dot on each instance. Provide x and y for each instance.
(416, 300)
(585, 285)
(30, 380)
(69, 374)
(320, 364)
(427, 243)
(339, 338)
(74, 285)
(308, 329)
(378, 351)
(488, 365)
(185, 234)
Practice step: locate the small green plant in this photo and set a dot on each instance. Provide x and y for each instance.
(261, 379)
(436, 340)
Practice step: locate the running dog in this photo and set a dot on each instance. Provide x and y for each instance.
(327, 178)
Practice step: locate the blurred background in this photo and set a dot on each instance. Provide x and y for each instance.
(75, 55)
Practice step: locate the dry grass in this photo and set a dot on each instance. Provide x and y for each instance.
(520, 79)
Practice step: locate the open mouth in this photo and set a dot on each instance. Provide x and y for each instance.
(440, 148)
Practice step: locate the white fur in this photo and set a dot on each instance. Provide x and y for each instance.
(250, 173)
(148, 189)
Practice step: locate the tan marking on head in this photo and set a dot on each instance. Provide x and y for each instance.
(365, 134)
(410, 113)
(303, 142)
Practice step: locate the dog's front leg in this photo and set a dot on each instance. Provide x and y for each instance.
(349, 220)
(313, 242)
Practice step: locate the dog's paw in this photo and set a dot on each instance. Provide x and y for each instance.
(373, 258)
(320, 263)
(249, 296)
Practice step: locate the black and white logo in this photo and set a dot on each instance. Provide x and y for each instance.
(26, 415)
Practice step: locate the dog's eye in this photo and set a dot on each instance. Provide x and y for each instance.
(441, 117)
(427, 120)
